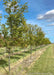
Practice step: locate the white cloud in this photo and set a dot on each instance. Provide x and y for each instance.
(40, 16)
(48, 16)
(50, 12)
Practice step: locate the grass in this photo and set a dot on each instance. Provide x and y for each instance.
(44, 65)
(14, 58)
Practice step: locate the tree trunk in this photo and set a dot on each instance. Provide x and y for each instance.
(9, 63)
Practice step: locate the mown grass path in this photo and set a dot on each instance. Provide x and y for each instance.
(45, 64)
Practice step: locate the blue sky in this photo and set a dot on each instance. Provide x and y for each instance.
(40, 12)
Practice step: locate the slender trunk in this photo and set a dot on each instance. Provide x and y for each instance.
(9, 63)
(30, 53)
(35, 52)
(23, 55)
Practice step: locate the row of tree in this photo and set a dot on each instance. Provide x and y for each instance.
(16, 32)
(23, 36)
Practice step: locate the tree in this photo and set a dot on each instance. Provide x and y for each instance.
(40, 36)
(46, 41)
(15, 22)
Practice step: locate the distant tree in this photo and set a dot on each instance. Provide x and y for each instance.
(40, 35)
(46, 41)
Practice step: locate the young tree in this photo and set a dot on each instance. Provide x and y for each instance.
(15, 21)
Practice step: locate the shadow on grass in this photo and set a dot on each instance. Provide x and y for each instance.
(33, 49)
(27, 51)
(14, 57)
(16, 50)
(1, 53)
(3, 64)
(20, 54)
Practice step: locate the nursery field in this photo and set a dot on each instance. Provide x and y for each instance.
(19, 59)
(26, 41)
